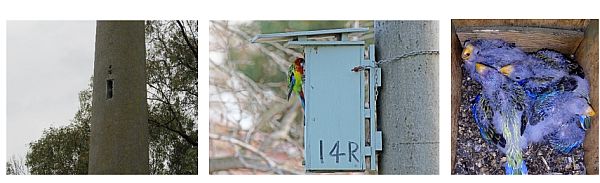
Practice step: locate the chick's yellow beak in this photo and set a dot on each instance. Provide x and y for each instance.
(589, 111)
(467, 52)
(480, 68)
(507, 70)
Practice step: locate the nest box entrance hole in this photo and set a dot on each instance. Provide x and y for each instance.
(109, 89)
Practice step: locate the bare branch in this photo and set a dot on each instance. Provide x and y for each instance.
(272, 164)
(232, 162)
(251, 86)
(279, 61)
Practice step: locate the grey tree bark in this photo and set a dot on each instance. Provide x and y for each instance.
(119, 126)
(408, 100)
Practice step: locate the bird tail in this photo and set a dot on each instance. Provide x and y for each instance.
(515, 164)
(302, 98)
(517, 169)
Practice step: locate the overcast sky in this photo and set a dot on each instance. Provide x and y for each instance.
(49, 62)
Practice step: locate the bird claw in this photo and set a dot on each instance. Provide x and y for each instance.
(358, 68)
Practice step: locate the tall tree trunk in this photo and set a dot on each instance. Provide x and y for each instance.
(119, 131)
(408, 100)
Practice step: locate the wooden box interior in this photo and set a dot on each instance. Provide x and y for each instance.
(576, 37)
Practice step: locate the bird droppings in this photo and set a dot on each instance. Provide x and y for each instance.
(475, 157)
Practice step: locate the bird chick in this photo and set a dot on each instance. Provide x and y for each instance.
(559, 61)
(507, 100)
(537, 73)
(561, 119)
(568, 135)
(491, 52)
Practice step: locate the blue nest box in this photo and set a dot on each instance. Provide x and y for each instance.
(340, 90)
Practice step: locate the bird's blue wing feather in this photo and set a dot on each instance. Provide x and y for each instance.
(291, 83)
(568, 136)
(482, 114)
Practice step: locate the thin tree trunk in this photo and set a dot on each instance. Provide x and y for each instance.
(408, 100)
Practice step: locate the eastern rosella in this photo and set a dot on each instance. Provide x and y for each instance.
(295, 79)
(481, 108)
(561, 119)
(561, 114)
(541, 70)
(508, 104)
(499, 109)
(559, 110)
(492, 52)
(560, 61)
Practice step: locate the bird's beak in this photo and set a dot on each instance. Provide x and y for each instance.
(480, 68)
(467, 52)
(589, 111)
(506, 70)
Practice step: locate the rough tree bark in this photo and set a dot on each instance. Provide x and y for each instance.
(408, 100)
(119, 126)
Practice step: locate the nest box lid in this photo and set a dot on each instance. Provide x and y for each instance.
(302, 37)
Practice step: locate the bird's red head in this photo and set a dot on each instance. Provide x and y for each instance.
(299, 61)
(299, 64)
